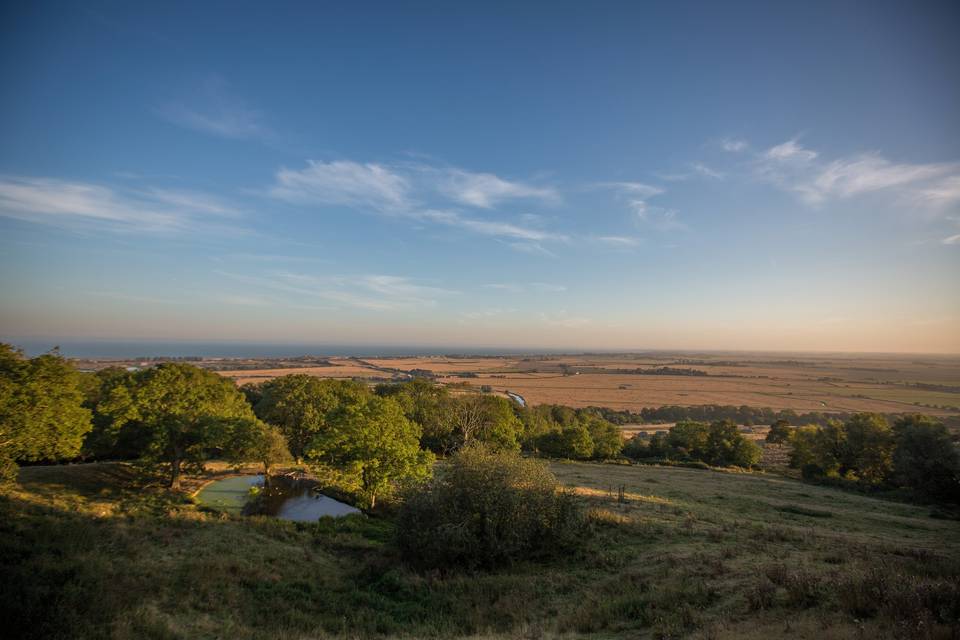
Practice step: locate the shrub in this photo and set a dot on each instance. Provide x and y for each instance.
(487, 508)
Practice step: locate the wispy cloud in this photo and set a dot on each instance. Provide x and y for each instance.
(955, 239)
(659, 218)
(637, 189)
(488, 227)
(799, 170)
(193, 201)
(733, 145)
(790, 150)
(485, 190)
(704, 170)
(344, 182)
(871, 172)
(71, 204)
(216, 112)
(371, 292)
(532, 248)
(622, 242)
(636, 196)
(412, 191)
(942, 193)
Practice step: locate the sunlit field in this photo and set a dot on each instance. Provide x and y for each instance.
(802, 382)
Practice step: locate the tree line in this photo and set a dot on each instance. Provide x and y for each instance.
(177, 416)
(742, 414)
(373, 439)
(916, 453)
(718, 444)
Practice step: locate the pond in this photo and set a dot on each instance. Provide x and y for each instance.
(286, 499)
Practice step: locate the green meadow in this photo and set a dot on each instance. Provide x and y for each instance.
(104, 551)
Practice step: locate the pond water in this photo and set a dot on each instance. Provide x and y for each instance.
(285, 499)
(230, 495)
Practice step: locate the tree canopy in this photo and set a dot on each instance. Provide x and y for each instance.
(372, 445)
(42, 416)
(299, 406)
(182, 409)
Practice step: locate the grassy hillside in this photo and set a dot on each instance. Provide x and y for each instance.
(100, 551)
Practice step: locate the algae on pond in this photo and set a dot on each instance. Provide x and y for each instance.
(229, 495)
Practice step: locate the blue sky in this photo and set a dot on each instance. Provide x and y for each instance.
(618, 176)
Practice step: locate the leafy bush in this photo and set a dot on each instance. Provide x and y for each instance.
(487, 508)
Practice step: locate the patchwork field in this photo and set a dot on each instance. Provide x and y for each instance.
(803, 382)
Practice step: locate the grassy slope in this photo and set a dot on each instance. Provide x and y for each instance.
(97, 551)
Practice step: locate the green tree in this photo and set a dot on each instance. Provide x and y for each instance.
(658, 447)
(536, 422)
(429, 405)
(299, 405)
(245, 439)
(868, 450)
(727, 446)
(183, 410)
(688, 440)
(779, 432)
(830, 445)
(107, 439)
(803, 452)
(372, 446)
(607, 438)
(42, 416)
(926, 458)
(572, 442)
(484, 418)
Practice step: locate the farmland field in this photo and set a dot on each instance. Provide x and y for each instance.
(802, 382)
(828, 383)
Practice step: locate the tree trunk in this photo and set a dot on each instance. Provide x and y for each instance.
(175, 475)
(373, 500)
(175, 471)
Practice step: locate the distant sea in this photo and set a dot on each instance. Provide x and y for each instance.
(136, 349)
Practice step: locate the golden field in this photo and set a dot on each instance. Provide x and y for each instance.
(808, 382)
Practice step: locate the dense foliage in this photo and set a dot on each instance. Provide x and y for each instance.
(719, 443)
(42, 416)
(562, 432)
(742, 414)
(450, 422)
(487, 508)
(916, 453)
(185, 413)
(299, 405)
(373, 446)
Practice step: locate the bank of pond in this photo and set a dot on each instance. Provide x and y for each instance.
(285, 498)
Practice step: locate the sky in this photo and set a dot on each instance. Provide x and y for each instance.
(569, 175)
